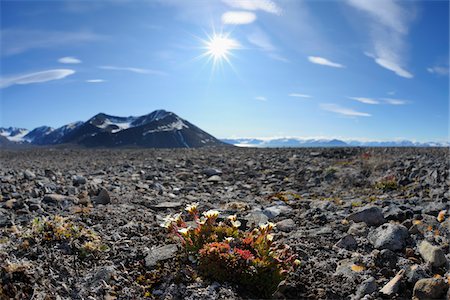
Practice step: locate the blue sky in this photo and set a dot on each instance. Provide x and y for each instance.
(351, 69)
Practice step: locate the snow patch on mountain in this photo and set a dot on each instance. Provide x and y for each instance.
(177, 125)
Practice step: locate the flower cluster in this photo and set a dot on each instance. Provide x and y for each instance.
(223, 252)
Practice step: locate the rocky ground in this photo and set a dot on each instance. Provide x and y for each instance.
(365, 223)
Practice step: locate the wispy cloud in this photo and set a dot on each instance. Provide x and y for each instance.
(395, 101)
(365, 100)
(324, 62)
(264, 5)
(36, 77)
(134, 70)
(438, 70)
(389, 24)
(343, 110)
(261, 40)
(261, 98)
(238, 17)
(69, 60)
(95, 80)
(299, 95)
(16, 41)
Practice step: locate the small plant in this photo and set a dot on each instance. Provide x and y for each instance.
(223, 252)
(57, 229)
(387, 183)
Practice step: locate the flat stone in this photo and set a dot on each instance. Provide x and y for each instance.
(358, 229)
(214, 178)
(286, 225)
(392, 286)
(78, 180)
(430, 288)
(29, 175)
(372, 216)
(256, 218)
(389, 236)
(160, 254)
(165, 205)
(211, 172)
(276, 210)
(432, 254)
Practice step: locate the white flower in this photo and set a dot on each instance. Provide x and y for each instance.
(232, 218)
(191, 207)
(263, 227)
(269, 237)
(229, 239)
(236, 224)
(210, 214)
(184, 231)
(270, 225)
(177, 217)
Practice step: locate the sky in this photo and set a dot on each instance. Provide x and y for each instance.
(350, 69)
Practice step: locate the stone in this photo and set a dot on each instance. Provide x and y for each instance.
(156, 255)
(29, 175)
(389, 236)
(348, 242)
(214, 179)
(367, 287)
(5, 221)
(415, 273)
(372, 216)
(102, 198)
(56, 199)
(286, 225)
(276, 210)
(165, 205)
(430, 288)
(256, 218)
(392, 286)
(78, 180)
(432, 254)
(211, 172)
(104, 274)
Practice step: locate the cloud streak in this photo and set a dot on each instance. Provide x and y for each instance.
(388, 27)
(238, 17)
(365, 100)
(261, 40)
(134, 70)
(324, 62)
(297, 95)
(36, 77)
(438, 70)
(395, 101)
(343, 110)
(69, 60)
(261, 98)
(95, 80)
(264, 5)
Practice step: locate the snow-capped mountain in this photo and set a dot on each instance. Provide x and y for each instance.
(302, 142)
(13, 134)
(159, 129)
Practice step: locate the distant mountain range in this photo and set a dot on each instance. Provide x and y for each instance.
(159, 129)
(299, 142)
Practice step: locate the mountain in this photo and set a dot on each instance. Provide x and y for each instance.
(301, 142)
(159, 129)
(13, 133)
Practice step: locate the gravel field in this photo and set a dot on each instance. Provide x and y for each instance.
(365, 222)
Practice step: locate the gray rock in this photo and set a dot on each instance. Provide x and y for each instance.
(430, 288)
(165, 205)
(78, 180)
(102, 198)
(347, 242)
(415, 273)
(103, 274)
(389, 236)
(367, 287)
(5, 221)
(256, 218)
(214, 178)
(160, 254)
(211, 172)
(286, 225)
(56, 199)
(372, 216)
(29, 175)
(276, 210)
(432, 254)
(393, 285)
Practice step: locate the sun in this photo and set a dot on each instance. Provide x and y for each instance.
(219, 48)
